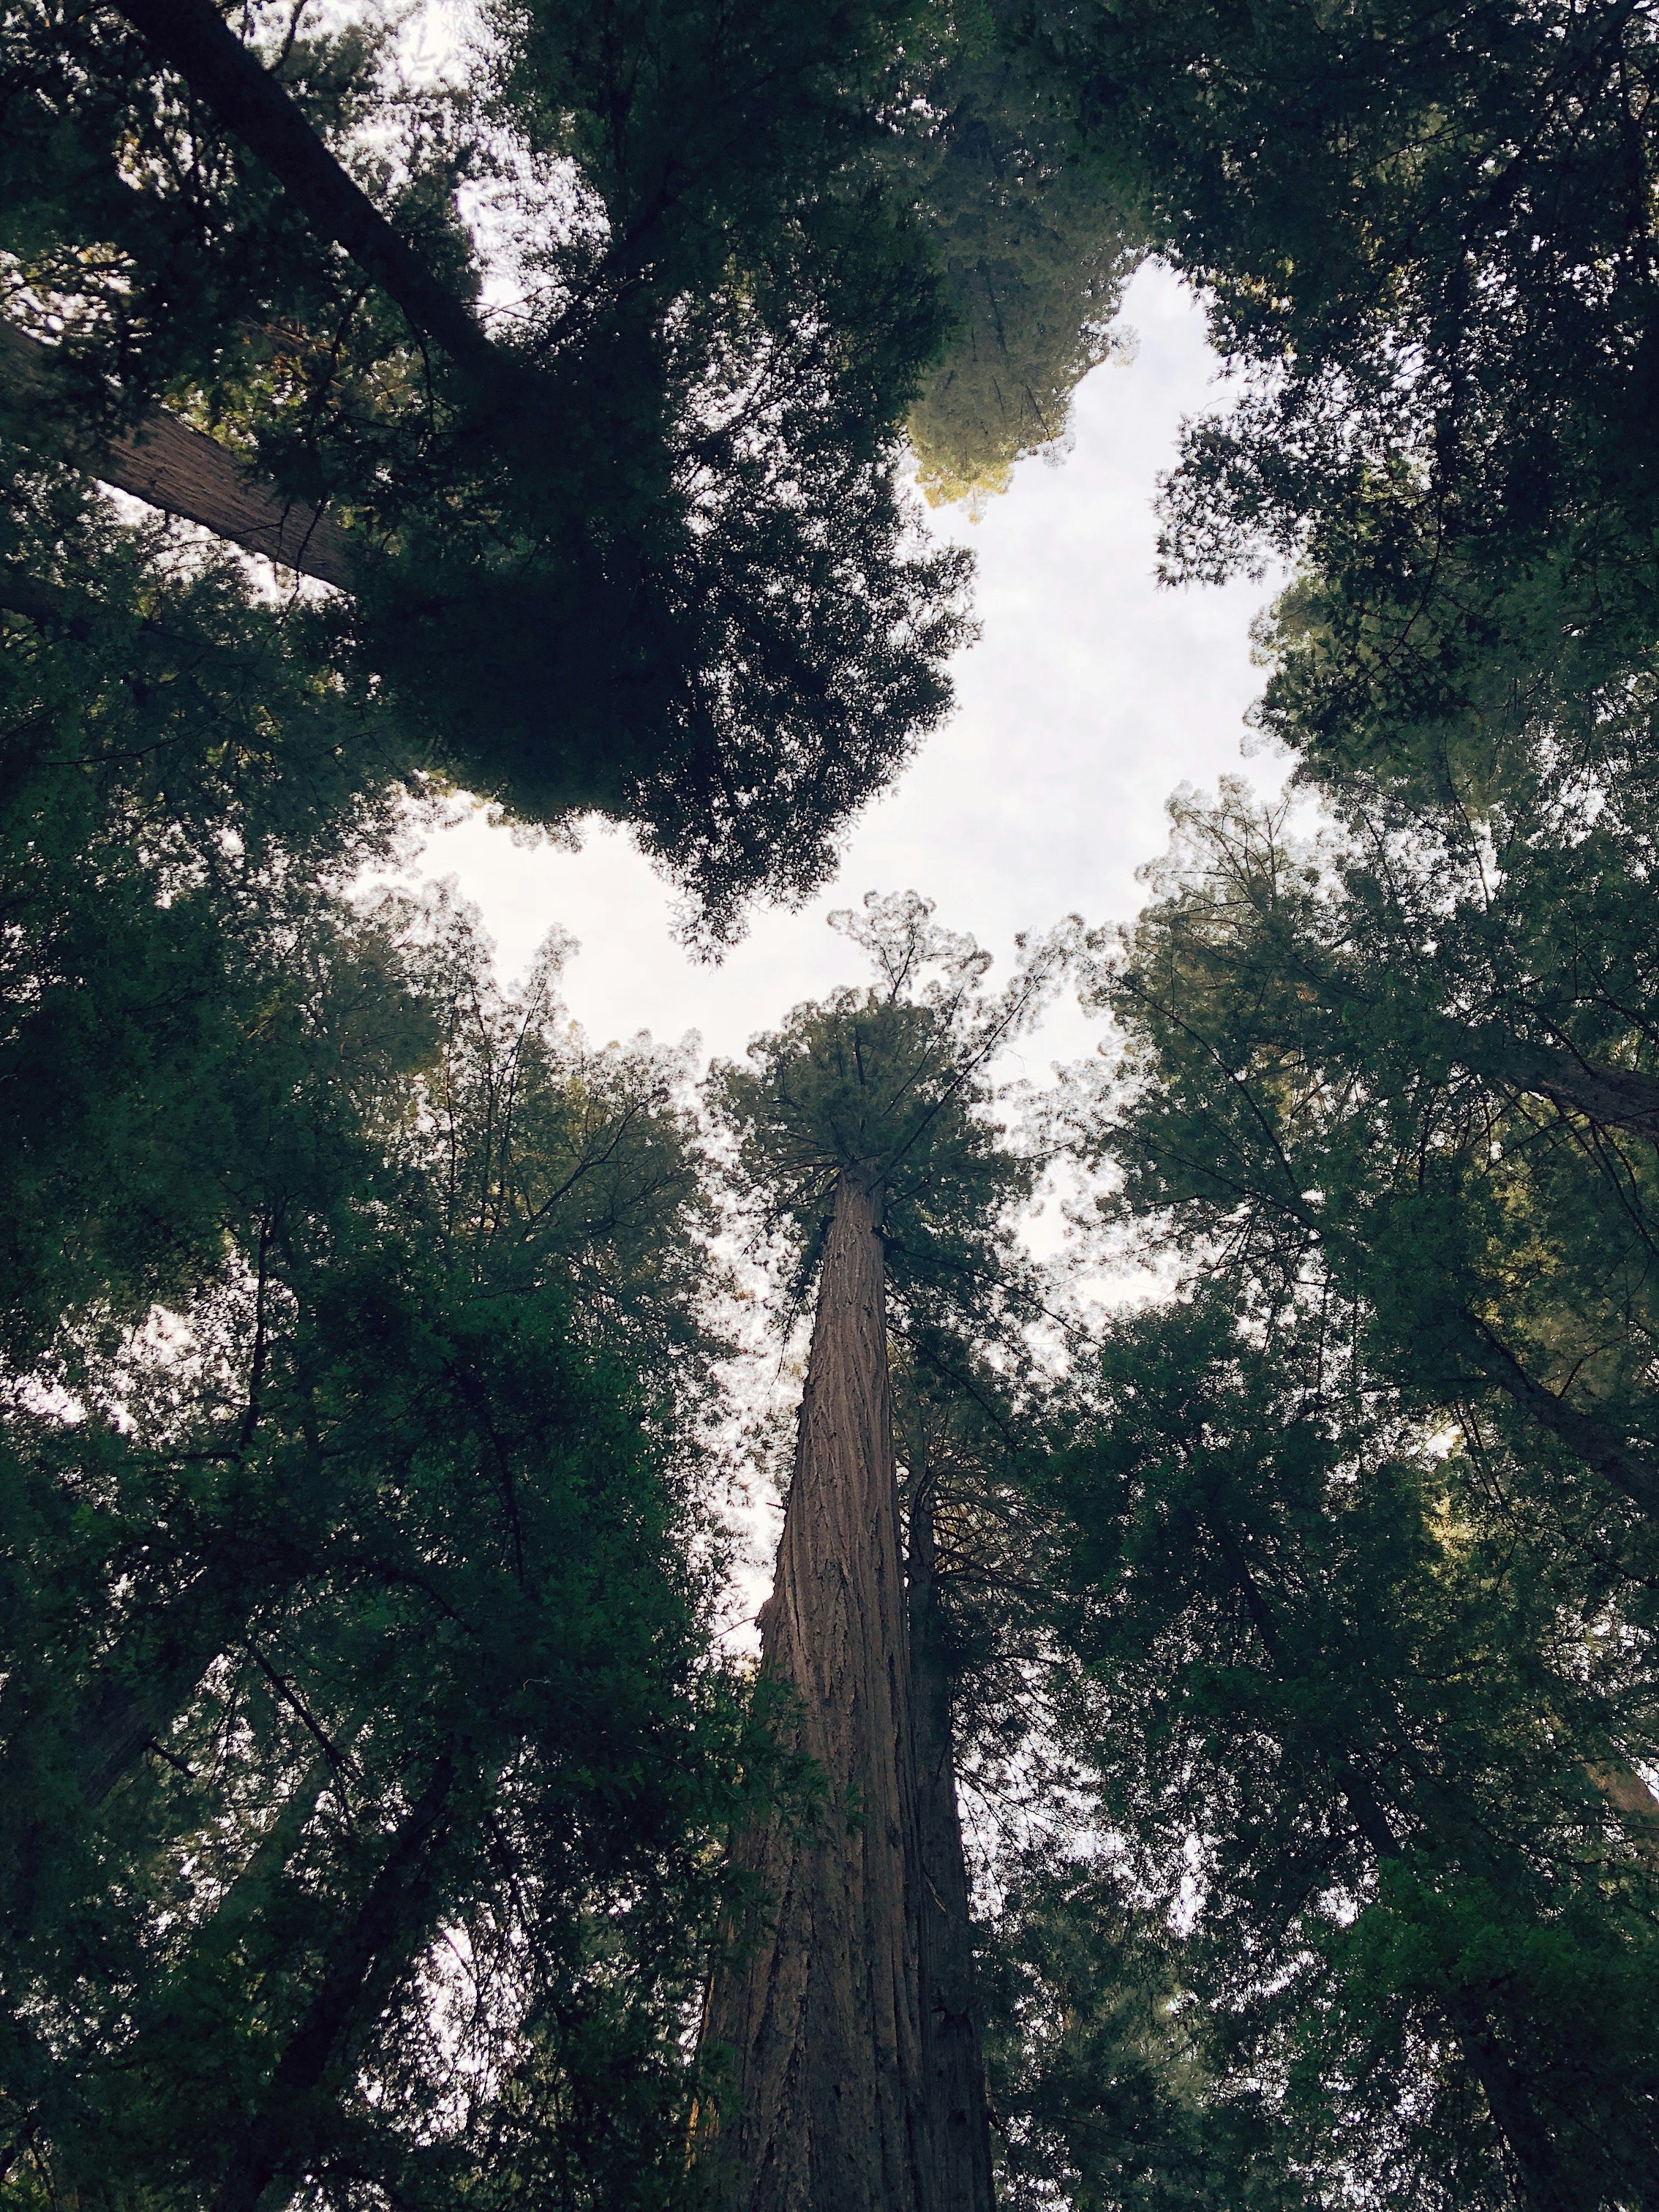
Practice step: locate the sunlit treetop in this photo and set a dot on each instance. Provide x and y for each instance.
(1033, 251)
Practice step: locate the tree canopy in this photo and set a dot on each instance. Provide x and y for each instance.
(1201, 1755)
(642, 550)
(365, 1742)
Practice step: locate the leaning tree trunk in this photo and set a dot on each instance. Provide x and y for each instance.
(167, 464)
(823, 2019)
(957, 2131)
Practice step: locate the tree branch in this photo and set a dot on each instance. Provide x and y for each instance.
(167, 464)
(228, 78)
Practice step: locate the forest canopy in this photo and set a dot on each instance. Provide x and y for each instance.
(1199, 1752)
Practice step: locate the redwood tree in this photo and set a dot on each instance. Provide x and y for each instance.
(864, 1134)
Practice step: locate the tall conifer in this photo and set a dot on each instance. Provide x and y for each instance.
(862, 1127)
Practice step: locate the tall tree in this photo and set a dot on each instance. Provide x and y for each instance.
(953, 2088)
(1375, 1061)
(1112, 2076)
(363, 1745)
(1327, 1098)
(862, 1132)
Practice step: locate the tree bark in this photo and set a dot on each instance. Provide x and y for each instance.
(822, 2019)
(1612, 1097)
(1630, 1796)
(125, 1717)
(956, 2133)
(167, 464)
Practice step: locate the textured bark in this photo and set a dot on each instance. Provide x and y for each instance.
(1612, 1097)
(1626, 1792)
(956, 2131)
(822, 2020)
(166, 463)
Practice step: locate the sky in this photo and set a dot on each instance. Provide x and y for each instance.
(1091, 694)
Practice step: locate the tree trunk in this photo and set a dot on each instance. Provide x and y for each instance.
(1612, 1097)
(1629, 1795)
(823, 2019)
(123, 1718)
(167, 464)
(1610, 1456)
(233, 85)
(956, 2133)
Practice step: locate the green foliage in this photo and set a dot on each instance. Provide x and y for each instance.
(1110, 2093)
(1334, 1695)
(1377, 1506)
(896, 1081)
(672, 579)
(173, 260)
(191, 1016)
(1359, 1533)
(365, 1756)
(1342, 1048)
(1426, 245)
(1033, 257)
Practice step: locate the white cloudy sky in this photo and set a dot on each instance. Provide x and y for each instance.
(1091, 696)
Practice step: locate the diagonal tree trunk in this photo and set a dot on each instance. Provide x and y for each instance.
(166, 463)
(370, 1955)
(823, 2018)
(231, 81)
(957, 2133)
(1611, 1455)
(1612, 1097)
(1631, 1798)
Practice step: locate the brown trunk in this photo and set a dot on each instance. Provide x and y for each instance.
(166, 463)
(822, 2019)
(1626, 1792)
(1609, 1454)
(233, 85)
(1613, 1097)
(956, 2133)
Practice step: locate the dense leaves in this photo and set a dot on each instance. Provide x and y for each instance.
(654, 561)
(1426, 239)
(1033, 259)
(897, 1081)
(189, 1015)
(1353, 1695)
(365, 1754)
(369, 1759)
